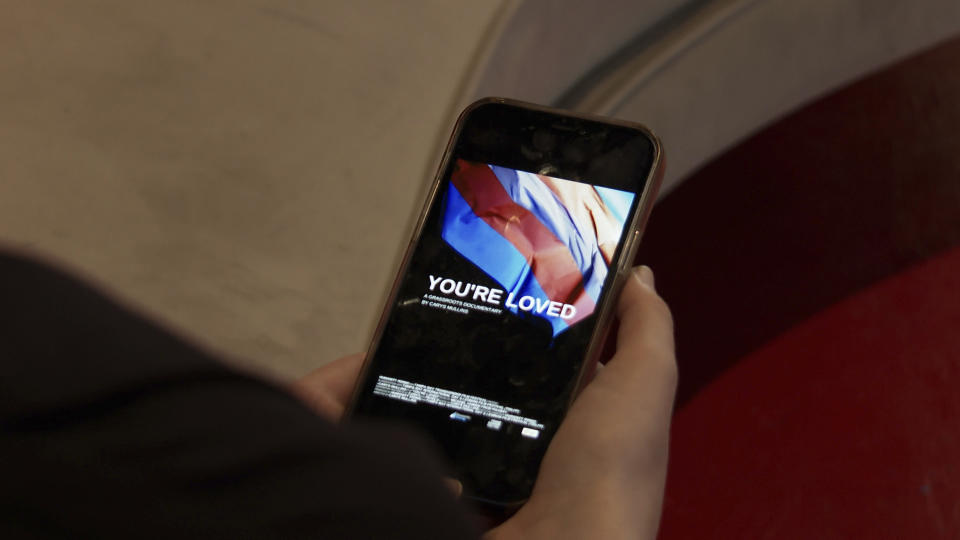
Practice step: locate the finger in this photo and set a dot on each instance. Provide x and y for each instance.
(327, 388)
(644, 317)
(644, 363)
(594, 371)
(339, 376)
(455, 486)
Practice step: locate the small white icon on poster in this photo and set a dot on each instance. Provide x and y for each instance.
(495, 424)
(530, 433)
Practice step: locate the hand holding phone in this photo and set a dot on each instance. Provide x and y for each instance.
(502, 300)
(603, 474)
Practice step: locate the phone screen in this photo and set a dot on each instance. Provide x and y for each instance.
(492, 317)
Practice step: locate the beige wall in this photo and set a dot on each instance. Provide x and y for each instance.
(243, 170)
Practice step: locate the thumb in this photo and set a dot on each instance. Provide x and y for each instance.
(644, 366)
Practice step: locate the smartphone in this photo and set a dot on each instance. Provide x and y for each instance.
(506, 289)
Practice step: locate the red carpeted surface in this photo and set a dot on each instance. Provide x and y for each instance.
(812, 274)
(846, 426)
(848, 190)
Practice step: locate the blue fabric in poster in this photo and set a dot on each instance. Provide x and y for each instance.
(529, 192)
(481, 244)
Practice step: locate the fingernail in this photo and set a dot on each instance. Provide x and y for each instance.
(455, 486)
(645, 275)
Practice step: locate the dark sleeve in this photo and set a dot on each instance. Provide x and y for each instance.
(111, 427)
